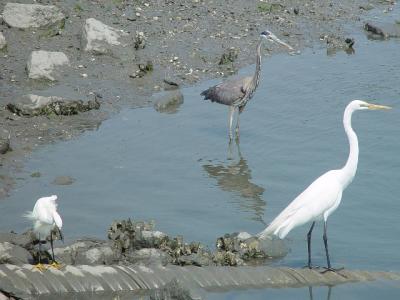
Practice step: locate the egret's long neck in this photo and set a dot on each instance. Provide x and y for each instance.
(350, 168)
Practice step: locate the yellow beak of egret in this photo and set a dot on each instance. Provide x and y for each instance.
(377, 106)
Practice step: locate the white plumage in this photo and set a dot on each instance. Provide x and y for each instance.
(45, 216)
(45, 219)
(323, 196)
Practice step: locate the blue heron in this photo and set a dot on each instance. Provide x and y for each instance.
(238, 91)
(322, 197)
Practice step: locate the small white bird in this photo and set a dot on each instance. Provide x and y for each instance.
(323, 196)
(45, 219)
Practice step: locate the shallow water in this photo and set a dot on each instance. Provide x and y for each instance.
(179, 170)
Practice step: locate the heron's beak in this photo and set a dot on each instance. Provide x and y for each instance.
(275, 39)
(377, 106)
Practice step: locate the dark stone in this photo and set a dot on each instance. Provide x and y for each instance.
(63, 180)
(229, 57)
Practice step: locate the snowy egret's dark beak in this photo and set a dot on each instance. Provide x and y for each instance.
(61, 234)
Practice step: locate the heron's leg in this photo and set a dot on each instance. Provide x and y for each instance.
(309, 244)
(231, 113)
(237, 123)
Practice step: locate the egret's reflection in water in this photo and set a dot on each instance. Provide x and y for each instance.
(328, 295)
(235, 176)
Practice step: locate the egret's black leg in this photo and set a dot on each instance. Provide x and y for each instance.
(40, 250)
(329, 293)
(310, 292)
(52, 249)
(309, 244)
(325, 237)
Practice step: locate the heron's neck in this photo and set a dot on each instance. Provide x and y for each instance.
(350, 168)
(256, 78)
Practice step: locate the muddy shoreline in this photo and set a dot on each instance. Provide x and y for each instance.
(183, 40)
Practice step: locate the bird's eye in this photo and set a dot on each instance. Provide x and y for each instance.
(266, 33)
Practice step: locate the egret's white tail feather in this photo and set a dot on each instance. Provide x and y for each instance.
(29, 215)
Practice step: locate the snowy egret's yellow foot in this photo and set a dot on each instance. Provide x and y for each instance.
(41, 267)
(56, 265)
(337, 271)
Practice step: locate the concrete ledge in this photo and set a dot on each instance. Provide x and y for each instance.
(25, 281)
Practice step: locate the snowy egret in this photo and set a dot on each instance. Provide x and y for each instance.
(323, 196)
(45, 219)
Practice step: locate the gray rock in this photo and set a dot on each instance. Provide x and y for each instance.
(14, 254)
(4, 141)
(3, 42)
(229, 56)
(168, 102)
(140, 40)
(91, 252)
(382, 30)
(35, 105)
(148, 256)
(46, 65)
(32, 15)
(100, 38)
(63, 180)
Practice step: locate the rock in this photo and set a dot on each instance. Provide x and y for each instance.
(89, 251)
(33, 16)
(229, 57)
(383, 30)
(142, 69)
(248, 248)
(100, 38)
(170, 85)
(3, 42)
(34, 105)
(270, 7)
(45, 64)
(140, 40)
(172, 290)
(5, 141)
(335, 43)
(63, 180)
(148, 256)
(14, 254)
(168, 102)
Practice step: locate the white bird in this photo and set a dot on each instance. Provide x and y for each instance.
(323, 196)
(45, 219)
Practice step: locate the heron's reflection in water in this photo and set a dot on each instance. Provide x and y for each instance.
(234, 176)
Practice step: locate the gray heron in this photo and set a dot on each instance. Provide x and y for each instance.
(322, 197)
(238, 91)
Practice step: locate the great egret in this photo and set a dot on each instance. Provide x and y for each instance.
(238, 91)
(45, 219)
(323, 196)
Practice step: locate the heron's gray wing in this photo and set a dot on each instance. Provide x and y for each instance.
(228, 92)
